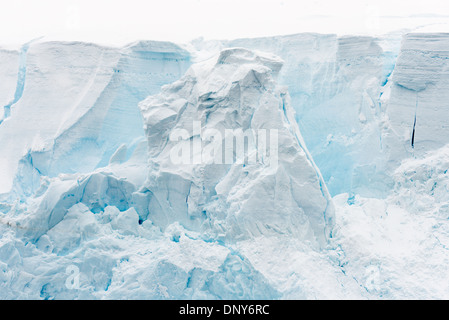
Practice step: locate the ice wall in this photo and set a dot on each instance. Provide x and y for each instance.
(356, 100)
(353, 110)
(417, 102)
(78, 101)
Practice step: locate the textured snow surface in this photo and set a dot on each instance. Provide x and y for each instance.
(92, 205)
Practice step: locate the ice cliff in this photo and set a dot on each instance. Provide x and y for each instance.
(78, 102)
(350, 203)
(235, 91)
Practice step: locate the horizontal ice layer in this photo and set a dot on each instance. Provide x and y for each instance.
(235, 90)
(417, 102)
(396, 248)
(78, 101)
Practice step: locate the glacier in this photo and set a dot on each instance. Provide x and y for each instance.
(355, 204)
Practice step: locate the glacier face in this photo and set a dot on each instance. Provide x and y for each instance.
(94, 205)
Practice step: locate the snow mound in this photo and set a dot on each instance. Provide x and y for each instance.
(397, 248)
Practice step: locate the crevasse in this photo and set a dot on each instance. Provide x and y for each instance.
(21, 76)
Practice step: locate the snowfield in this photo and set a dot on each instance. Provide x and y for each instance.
(344, 196)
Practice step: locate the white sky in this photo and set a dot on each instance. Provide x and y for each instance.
(119, 21)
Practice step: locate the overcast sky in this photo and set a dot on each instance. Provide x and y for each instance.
(118, 21)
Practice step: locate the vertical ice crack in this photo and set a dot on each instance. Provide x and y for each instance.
(413, 133)
(21, 76)
(322, 184)
(414, 123)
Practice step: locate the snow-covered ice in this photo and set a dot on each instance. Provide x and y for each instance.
(349, 200)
